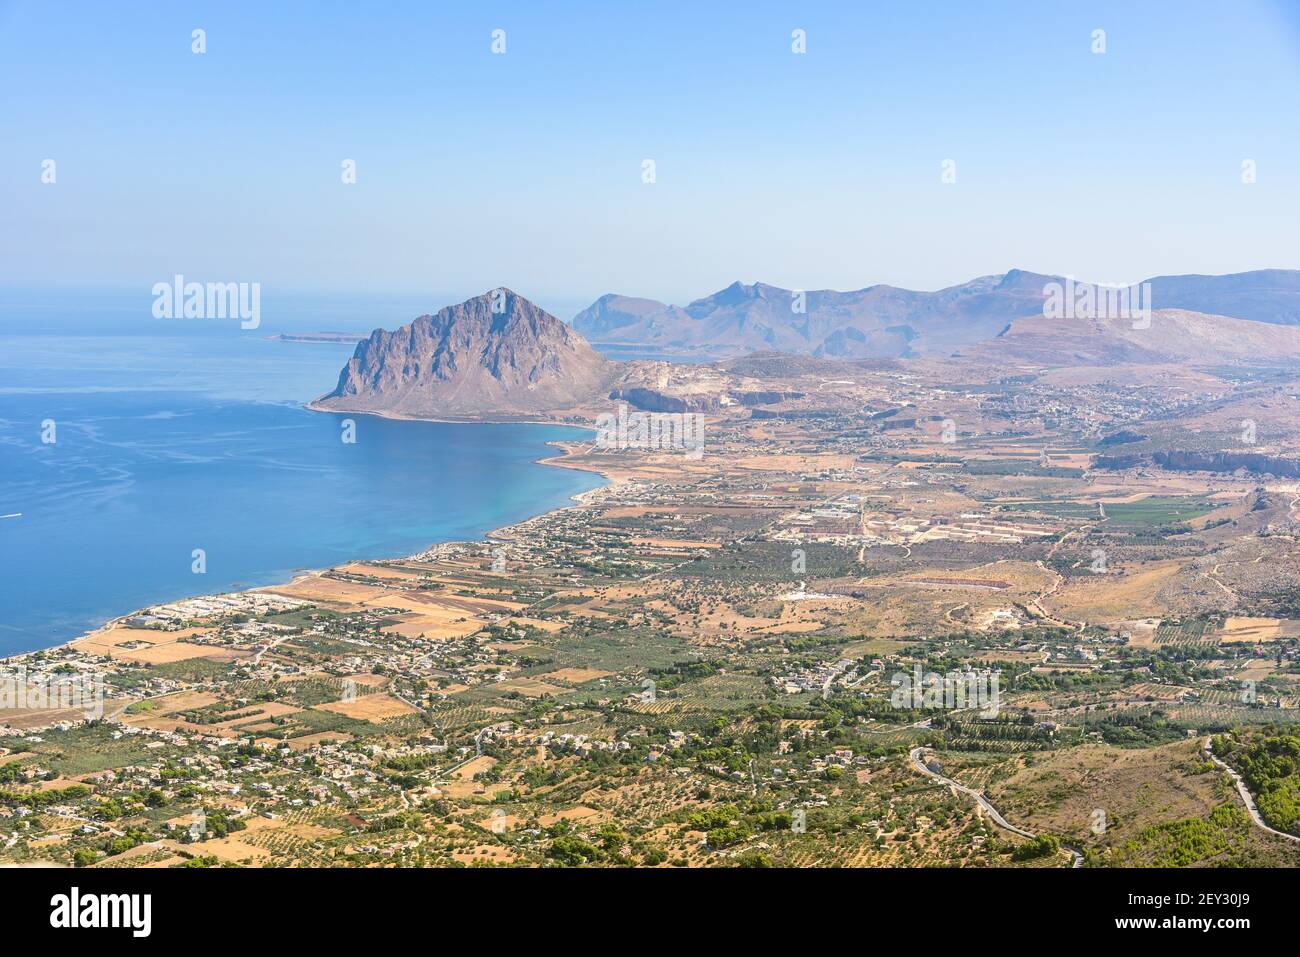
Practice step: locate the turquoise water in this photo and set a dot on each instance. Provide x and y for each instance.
(198, 440)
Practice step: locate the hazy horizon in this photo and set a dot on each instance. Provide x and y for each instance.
(341, 310)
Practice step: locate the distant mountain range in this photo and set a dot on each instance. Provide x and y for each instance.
(499, 354)
(888, 322)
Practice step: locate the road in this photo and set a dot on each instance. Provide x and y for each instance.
(918, 760)
(441, 776)
(1245, 794)
(257, 658)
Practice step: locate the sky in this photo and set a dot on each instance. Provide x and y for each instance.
(477, 169)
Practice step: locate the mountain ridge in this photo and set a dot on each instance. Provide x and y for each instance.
(883, 321)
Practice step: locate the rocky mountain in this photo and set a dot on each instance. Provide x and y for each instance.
(888, 322)
(494, 354)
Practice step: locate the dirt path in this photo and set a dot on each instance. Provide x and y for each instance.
(1035, 605)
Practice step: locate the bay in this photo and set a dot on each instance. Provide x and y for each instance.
(165, 444)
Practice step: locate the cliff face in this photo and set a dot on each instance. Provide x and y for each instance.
(494, 354)
(1255, 462)
(653, 400)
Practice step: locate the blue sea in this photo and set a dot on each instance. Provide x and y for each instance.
(173, 438)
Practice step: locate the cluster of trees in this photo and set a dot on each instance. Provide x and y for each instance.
(726, 824)
(681, 671)
(1270, 765)
(124, 842)
(607, 845)
(1045, 845)
(1183, 843)
(1063, 681)
(394, 822)
(39, 799)
(1138, 730)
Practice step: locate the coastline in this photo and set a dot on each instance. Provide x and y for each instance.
(577, 500)
(468, 420)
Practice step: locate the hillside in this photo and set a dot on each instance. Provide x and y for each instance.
(1174, 335)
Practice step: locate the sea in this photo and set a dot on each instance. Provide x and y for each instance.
(130, 447)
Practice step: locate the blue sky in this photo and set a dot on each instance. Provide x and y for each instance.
(809, 171)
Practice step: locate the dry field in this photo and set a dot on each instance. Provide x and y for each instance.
(1060, 790)
(1158, 692)
(149, 646)
(437, 627)
(577, 676)
(1258, 629)
(162, 720)
(531, 687)
(370, 707)
(380, 571)
(793, 463)
(472, 767)
(305, 742)
(1117, 595)
(330, 591)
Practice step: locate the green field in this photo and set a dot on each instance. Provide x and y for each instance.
(1154, 511)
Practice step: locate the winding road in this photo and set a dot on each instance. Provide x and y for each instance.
(1245, 794)
(918, 760)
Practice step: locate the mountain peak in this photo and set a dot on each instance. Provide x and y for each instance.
(493, 353)
(736, 292)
